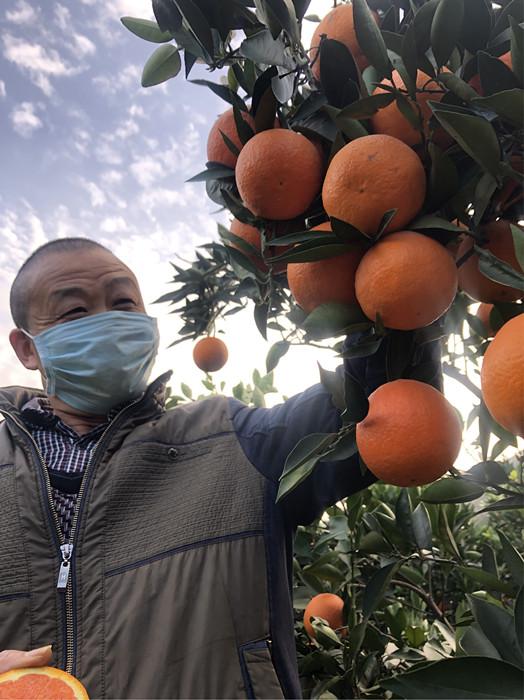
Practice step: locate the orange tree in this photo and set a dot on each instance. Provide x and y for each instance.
(381, 169)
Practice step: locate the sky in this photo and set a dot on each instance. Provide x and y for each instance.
(86, 151)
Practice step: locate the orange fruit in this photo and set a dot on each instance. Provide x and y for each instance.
(42, 683)
(472, 281)
(324, 281)
(329, 607)
(279, 173)
(483, 313)
(390, 120)
(217, 149)
(411, 434)
(338, 24)
(251, 235)
(210, 354)
(407, 278)
(370, 176)
(502, 376)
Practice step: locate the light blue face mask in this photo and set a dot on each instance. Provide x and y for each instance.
(98, 362)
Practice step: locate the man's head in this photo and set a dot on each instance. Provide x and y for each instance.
(64, 280)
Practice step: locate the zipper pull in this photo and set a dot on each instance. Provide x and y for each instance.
(65, 566)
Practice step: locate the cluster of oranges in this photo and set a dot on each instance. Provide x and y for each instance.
(397, 274)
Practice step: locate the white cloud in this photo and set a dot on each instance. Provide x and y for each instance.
(113, 224)
(128, 78)
(107, 154)
(22, 13)
(83, 45)
(24, 119)
(147, 170)
(97, 196)
(112, 177)
(126, 129)
(136, 111)
(3, 91)
(38, 62)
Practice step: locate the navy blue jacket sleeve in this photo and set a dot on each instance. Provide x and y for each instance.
(267, 436)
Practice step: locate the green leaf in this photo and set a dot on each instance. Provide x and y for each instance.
(509, 503)
(366, 107)
(466, 678)
(514, 9)
(518, 242)
(484, 191)
(474, 134)
(330, 320)
(445, 29)
(498, 270)
(451, 491)
(488, 473)
(222, 91)
(517, 49)
(310, 446)
(475, 643)
(343, 449)
(422, 527)
(373, 543)
(212, 173)
(146, 29)
(162, 65)
(338, 73)
(408, 53)
(498, 626)
(311, 253)
(197, 23)
(443, 177)
(487, 580)
(423, 21)
(262, 48)
(276, 352)
(244, 130)
(367, 347)
(512, 559)
(334, 383)
(377, 587)
(260, 315)
(434, 222)
(369, 37)
(357, 404)
(294, 478)
(458, 86)
(508, 104)
(494, 75)
(476, 25)
(519, 619)
(280, 13)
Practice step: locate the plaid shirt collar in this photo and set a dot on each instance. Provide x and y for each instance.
(38, 413)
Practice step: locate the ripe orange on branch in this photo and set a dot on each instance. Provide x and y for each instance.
(473, 281)
(338, 24)
(210, 354)
(279, 173)
(370, 176)
(329, 607)
(411, 434)
(390, 120)
(324, 281)
(42, 683)
(217, 149)
(407, 278)
(502, 376)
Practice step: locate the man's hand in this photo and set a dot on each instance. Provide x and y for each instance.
(11, 659)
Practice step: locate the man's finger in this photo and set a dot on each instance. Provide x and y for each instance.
(11, 658)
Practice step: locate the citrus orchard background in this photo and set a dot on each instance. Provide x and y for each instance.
(380, 166)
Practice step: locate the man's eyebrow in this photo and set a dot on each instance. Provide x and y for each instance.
(59, 294)
(119, 281)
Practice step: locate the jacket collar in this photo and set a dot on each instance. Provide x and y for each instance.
(13, 398)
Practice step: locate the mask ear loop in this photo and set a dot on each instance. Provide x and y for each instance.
(45, 378)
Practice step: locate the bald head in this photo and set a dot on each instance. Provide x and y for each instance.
(22, 287)
(69, 278)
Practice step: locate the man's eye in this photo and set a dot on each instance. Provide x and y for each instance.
(124, 302)
(72, 312)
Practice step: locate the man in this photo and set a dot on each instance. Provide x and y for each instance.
(145, 546)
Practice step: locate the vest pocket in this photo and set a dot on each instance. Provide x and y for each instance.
(15, 631)
(258, 672)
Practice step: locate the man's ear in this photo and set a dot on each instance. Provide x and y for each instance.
(24, 348)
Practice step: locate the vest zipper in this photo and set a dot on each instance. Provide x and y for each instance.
(65, 580)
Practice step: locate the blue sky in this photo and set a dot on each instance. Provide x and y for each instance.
(85, 150)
